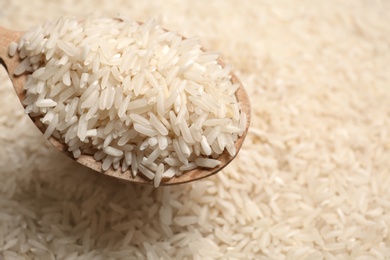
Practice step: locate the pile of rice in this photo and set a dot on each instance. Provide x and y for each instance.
(131, 95)
(311, 182)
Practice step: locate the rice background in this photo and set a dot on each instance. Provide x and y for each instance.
(311, 182)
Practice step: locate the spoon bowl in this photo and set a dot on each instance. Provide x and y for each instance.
(11, 63)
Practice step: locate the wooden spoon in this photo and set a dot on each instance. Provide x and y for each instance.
(10, 64)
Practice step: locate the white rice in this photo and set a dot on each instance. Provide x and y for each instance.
(102, 82)
(12, 49)
(311, 181)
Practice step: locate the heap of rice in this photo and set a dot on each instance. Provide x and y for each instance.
(132, 95)
(311, 181)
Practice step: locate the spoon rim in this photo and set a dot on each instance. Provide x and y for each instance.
(187, 176)
(18, 81)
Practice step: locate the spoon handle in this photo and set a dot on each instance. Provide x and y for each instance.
(8, 62)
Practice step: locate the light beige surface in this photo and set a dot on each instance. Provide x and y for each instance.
(311, 181)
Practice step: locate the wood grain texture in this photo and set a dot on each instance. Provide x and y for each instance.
(7, 36)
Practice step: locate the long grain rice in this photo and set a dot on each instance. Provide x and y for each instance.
(99, 82)
(311, 181)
